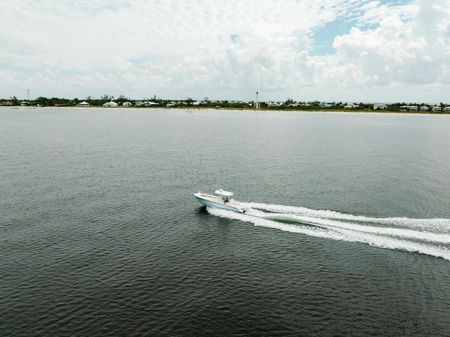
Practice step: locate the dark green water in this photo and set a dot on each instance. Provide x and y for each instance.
(101, 236)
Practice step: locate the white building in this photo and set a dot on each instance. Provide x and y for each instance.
(84, 103)
(436, 108)
(379, 106)
(111, 105)
(447, 109)
(351, 106)
(127, 104)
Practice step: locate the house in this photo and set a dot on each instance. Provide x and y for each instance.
(111, 105)
(447, 109)
(127, 104)
(379, 106)
(84, 103)
(413, 108)
(351, 106)
(272, 104)
(436, 108)
(424, 108)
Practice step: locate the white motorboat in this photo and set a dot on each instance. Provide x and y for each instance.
(220, 200)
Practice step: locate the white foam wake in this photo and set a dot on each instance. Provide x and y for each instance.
(425, 236)
(442, 225)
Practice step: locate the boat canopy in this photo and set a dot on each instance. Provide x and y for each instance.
(224, 193)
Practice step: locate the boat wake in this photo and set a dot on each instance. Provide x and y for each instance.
(425, 236)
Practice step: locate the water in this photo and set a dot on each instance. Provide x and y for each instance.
(348, 230)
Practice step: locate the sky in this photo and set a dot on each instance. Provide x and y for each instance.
(327, 50)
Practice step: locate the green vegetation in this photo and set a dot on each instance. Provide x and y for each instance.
(206, 103)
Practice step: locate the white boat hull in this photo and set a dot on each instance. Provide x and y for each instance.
(213, 201)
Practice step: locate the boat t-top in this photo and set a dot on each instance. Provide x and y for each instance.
(220, 200)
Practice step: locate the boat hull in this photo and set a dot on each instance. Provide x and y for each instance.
(210, 203)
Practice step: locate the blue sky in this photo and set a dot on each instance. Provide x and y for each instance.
(324, 36)
(349, 50)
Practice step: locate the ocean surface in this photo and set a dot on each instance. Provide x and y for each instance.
(347, 231)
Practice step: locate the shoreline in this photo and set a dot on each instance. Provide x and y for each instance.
(338, 111)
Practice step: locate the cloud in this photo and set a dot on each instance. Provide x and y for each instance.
(221, 48)
(408, 45)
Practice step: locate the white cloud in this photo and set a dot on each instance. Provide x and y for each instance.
(223, 48)
(408, 45)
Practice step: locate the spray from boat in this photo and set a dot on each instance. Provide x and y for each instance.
(424, 236)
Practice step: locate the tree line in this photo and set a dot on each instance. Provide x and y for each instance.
(288, 104)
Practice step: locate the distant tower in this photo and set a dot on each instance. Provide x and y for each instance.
(257, 101)
(28, 93)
